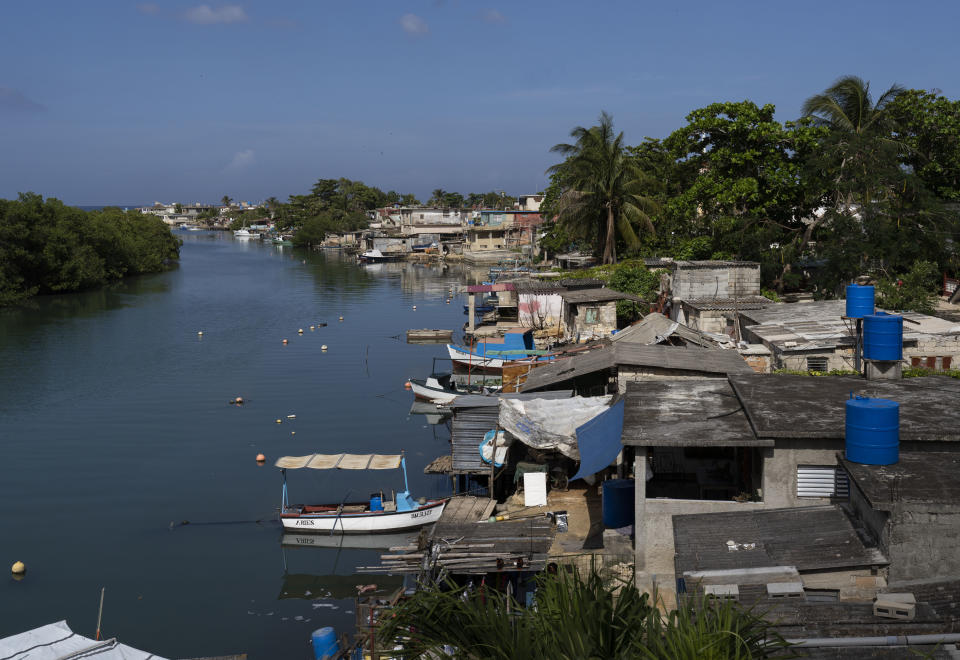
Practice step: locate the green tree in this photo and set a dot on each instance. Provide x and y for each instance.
(273, 205)
(742, 193)
(409, 199)
(437, 197)
(879, 216)
(915, 290)
(603, 196)
(226, 200)
(929, 125)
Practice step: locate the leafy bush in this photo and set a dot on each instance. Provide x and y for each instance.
(914, 291)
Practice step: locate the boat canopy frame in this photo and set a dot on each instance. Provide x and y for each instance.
(347, 462)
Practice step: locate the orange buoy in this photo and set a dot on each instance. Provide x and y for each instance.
(261, 458)
(407, 385)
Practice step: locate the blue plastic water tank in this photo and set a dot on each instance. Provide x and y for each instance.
(883, 337)
(859, 301)
(618, 502)
(872, 431)
(376, 503)
(324, 642)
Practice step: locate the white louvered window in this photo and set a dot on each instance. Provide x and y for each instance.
(822, 481)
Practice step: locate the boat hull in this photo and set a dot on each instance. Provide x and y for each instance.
(473, 361)
(361, 523)
(433, 395)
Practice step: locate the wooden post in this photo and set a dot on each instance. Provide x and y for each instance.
(471, 312)
(640, 509)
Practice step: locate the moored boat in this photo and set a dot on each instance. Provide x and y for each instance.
(371, 517)
(440, 389)
(245, 233)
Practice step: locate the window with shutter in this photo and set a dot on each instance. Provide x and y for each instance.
(816, 364)
(822, 481)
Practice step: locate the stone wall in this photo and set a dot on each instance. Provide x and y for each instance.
(629, 374)
(575, 320)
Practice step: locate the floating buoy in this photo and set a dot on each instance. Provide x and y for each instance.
(414, 306)
(448, 301)
(261, 458)
(284, 341)
(18, 568)
(279, 421)
(291, 416)
(311, 328)
(323, 348)
(341, 318)
(407, 385)
(300, 331)
(200, 333)
(293, 432)
(238, 400)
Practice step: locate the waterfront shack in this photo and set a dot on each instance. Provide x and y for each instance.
(591, 313)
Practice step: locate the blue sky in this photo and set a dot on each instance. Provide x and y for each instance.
(111, 101)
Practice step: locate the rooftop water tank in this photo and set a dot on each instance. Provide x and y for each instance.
(859, 301)
(872, 431)
(883, 337)
(618, 502)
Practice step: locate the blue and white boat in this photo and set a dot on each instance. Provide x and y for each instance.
(492, 353)
(377, 515)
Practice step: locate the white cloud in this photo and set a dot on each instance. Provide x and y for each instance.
(493, 16)
(207, 15)
(414, 25)
(148, 8)
(241, 160)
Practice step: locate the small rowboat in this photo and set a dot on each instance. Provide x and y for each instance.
(371, 517)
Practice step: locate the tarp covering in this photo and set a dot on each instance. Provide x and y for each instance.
(550, 423)
(599, 440)
(56, 641)
(341, 462)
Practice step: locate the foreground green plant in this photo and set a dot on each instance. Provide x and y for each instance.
(574, 618)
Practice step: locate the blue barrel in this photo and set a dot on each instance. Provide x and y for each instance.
(883, 337)
(618, 502)
(324, 642)
(859, 301)
(376, 503)
(873, 431)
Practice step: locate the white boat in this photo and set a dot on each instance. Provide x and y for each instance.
(472, 359)
(244, 233)
(370, 517)
(358, 541)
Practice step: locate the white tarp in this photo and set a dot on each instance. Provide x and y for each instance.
(550, 423)
(534, 489)
(56, 641)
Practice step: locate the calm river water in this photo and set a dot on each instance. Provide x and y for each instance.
(115, 427)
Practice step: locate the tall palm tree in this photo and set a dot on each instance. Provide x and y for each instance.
(272, 205)
(847, 106)
(437, 197)
(225, 200)
(603, 192)
(860, 147)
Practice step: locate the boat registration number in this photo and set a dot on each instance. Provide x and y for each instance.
(421, 514)
(305, 523)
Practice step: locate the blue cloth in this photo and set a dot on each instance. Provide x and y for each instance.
(599, 440)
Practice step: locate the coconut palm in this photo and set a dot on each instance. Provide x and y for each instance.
(603, 188)
(226, 201)
(437, 197)
(847, 106)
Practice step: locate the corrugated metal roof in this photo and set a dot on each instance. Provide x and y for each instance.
(596, 295)
(680, 358)
(808, 538)
(729, 304)
(655, 328)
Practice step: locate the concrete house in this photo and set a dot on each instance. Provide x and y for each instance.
(757, 442)
(591, 313)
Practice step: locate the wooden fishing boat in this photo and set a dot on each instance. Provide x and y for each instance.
(440, 388)
(371, 517)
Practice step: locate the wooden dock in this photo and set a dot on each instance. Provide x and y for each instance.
(463, 541)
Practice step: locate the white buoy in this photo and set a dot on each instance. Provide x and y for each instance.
(323, 348)
(200, 334)
(279, 421)
(291, 416)
(414, 306)
(300, 331)
(18, 568)
(311, 328)
(341, 318)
